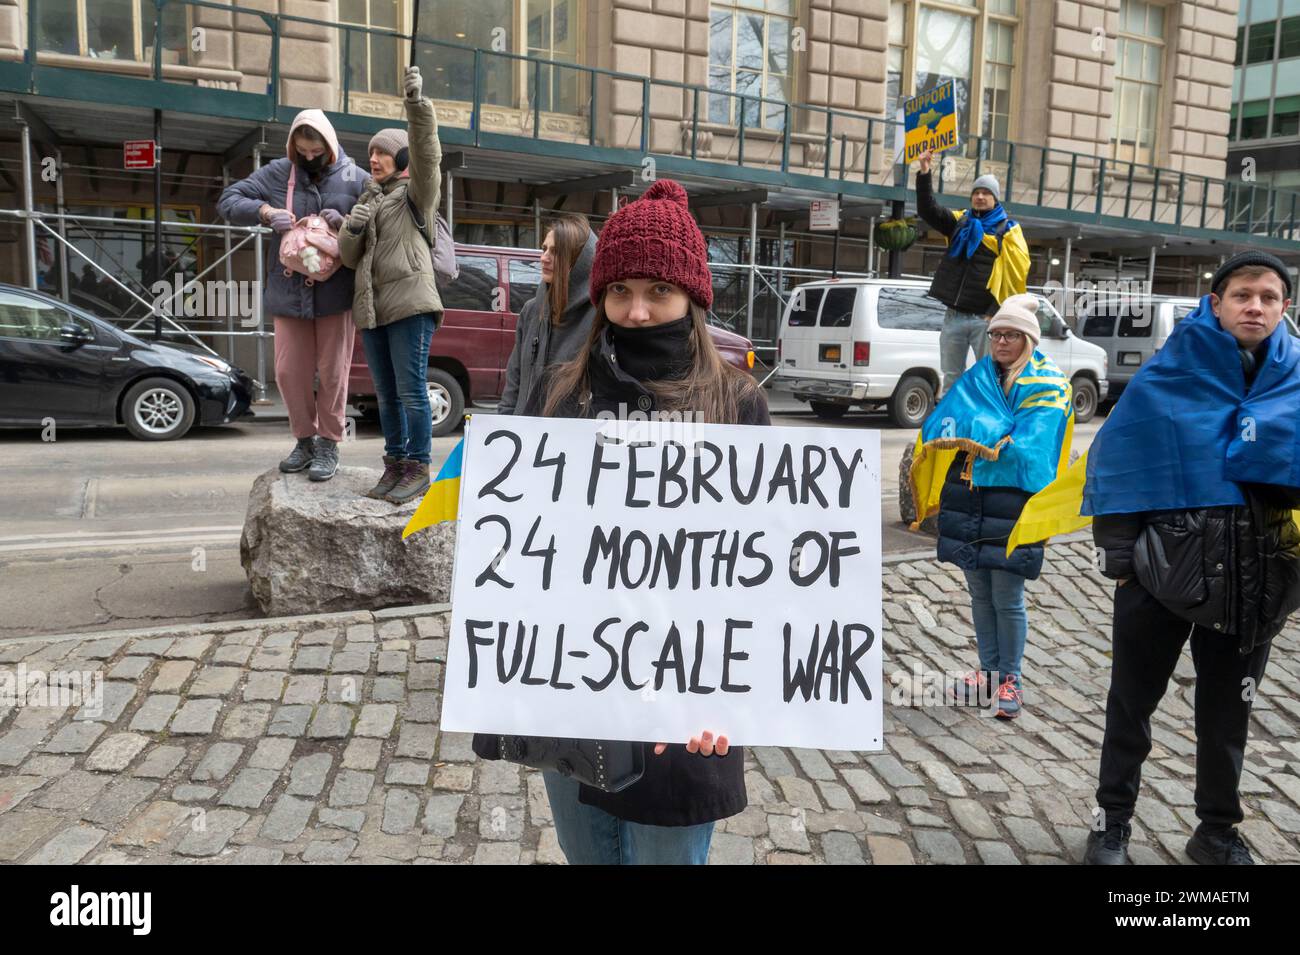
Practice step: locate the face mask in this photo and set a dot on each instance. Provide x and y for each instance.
(314, 165)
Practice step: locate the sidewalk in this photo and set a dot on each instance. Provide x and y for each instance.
(316, 740)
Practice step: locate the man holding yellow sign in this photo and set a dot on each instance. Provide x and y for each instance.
(987, 259)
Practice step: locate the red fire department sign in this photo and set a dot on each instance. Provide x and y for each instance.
(139, 154)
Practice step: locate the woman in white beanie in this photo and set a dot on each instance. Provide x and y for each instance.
(999, 436)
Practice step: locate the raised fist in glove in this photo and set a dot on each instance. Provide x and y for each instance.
(360, 216)
(412, 84)
(333, 218)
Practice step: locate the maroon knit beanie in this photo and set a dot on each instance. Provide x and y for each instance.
(654, 237)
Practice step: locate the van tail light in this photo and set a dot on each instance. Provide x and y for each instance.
(749, 359)
(861, 354)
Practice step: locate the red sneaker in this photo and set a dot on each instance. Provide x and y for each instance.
(1009, 701)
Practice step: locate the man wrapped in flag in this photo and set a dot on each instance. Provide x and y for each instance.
(1190, 486)
(1001, 434)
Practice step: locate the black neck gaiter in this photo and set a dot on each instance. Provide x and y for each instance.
(655, 352)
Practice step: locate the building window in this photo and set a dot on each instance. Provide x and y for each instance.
(996, 99)
(112, 29)
(553, 35)
(1286, 116)
(372, 60)
(1241, 44)
(1288, 44)
(1254, 119)
(1259, 41)
(975, 48)
(503, 29)
(750, 55)
(1139, 65)
(894, 75)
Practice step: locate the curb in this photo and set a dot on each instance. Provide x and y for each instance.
(357, 616)
(229, 626)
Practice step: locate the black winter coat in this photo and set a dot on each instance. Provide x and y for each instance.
(1235, 570)
(975, 522)
(959, 283)
(678, 788)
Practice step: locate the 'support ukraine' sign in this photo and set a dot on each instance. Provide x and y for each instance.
(648, 580)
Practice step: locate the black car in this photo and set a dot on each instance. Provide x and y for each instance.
(60, 363)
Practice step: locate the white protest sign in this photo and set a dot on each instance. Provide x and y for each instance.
(648, 580)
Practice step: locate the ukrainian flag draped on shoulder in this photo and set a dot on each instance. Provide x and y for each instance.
(1011, 270)
(1186, 431)
(442, 500)
(1020, 439)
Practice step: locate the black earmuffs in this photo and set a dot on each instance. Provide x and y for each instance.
(402, 159)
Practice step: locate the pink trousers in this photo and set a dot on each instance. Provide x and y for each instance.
(307, 348)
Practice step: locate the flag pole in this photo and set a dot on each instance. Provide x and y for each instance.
(415, 27)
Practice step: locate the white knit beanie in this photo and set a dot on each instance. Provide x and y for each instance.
(1019, 313)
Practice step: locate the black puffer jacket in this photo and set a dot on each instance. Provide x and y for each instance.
(959, 283)
(1231, 569)
(678, 788)
(975, 522)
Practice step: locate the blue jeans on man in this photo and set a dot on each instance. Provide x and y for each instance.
(961, 331)
(398, 356)
(997, 599)
(591, 836)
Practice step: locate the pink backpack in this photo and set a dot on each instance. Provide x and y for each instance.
(310, 248)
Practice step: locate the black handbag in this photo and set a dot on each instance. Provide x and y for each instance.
(608, 765)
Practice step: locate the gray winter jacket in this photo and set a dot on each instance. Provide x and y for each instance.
(540, 345)
(338, 187)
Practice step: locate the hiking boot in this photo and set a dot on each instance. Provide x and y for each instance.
(1218, 846)
(325, 461)
(1109, 847)
(300, 457)
(1009, 701)
(412, 484)
(392, 474)
(973, 686)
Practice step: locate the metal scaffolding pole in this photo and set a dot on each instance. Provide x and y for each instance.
(157, 212)
(259, 265)
(451, 203)
(537, 221)
(753, 265)
(230, 312)
(29, 206)
(63, 232)
(1151, 270)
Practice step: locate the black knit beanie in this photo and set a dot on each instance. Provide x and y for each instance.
(1241, 260)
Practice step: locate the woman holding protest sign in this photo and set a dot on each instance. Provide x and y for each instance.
(648, 350)
(554, 324)
(1000, 435)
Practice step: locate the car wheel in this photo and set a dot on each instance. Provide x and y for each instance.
(911, 402)
(1085, 399)
(446, 402)
(828, 409)
(158, 409)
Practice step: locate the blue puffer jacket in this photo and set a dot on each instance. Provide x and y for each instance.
(337, 187)
(975, 522)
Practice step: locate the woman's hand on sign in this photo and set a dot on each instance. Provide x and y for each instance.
(704, 744)
(923, 162)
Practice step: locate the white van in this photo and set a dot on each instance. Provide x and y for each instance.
(875, 343)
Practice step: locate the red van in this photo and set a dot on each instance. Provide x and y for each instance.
(468, 353)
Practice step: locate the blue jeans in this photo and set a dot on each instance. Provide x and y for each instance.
(961, 330)
(398, 356)
(997, 599)
(591, 836)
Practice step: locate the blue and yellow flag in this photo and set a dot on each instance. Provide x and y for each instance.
(1185, 433)
(442, 500)
(1021, 439)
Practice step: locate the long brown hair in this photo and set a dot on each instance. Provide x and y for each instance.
(571, 232)
(712, 389)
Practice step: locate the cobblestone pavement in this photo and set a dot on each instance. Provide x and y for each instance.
(234, 743)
